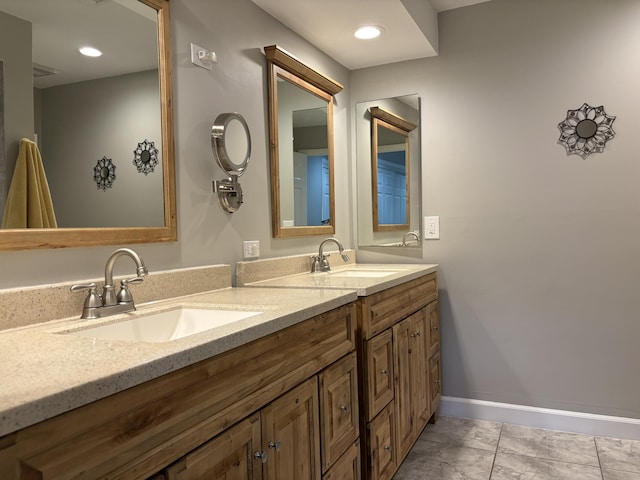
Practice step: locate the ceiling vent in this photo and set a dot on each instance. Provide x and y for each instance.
(44, 71)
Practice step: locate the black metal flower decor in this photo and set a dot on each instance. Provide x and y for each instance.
(146, 157)
(104, 173)
(586, 130)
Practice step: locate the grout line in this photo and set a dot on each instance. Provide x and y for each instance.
(495, 454)
(595, 443)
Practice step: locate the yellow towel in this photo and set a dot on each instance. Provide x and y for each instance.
(29, 202)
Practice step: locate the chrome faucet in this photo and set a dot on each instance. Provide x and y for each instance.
(407, 235)
(320, 261)
(98, 306)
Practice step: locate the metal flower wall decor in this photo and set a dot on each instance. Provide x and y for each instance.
(586, 130)
(104, 173)
(145, 157)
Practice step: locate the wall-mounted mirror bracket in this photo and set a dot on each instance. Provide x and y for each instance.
(229, 193)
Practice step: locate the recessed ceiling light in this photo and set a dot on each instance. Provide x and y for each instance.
(368, 32)
(90, 51)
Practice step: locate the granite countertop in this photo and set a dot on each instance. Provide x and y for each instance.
(365, 279)
(52, 373)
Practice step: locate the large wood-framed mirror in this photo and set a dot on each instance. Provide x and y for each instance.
(301, 147)
(390, 170)
(102, 111)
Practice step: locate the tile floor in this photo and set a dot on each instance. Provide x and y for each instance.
(465, 449)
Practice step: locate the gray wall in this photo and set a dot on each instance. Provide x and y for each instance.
(236, 30)
(539, 251)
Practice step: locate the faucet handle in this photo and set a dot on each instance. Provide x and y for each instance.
(93, 300)
(124, 295)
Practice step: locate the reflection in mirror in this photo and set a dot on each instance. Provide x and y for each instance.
(301, 134)
(388, 172)
(3, 183)
(80, 110)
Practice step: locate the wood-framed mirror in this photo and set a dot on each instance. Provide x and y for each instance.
(301, 146)
(142, 112)
(390, 170)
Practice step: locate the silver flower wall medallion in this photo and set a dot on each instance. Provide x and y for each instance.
(104, 173)
(586, 130)
(145, 157)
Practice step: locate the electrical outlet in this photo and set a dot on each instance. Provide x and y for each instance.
(251, 249)
(432, 228)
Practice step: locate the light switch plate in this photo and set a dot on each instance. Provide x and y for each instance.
(432, 228)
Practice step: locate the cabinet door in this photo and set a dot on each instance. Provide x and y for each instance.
(229, 456)
(402, 342)
(435, 371)
(347, 467)
(420, 401)
(434, 328)
(338, 409)
(379, 372)
(380, 445)
(291, 434)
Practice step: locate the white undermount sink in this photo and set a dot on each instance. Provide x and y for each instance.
(361, 273)
(166, 325)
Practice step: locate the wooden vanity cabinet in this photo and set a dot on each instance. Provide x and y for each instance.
(398, 333)
(213, 419)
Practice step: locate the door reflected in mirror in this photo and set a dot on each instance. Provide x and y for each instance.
(388, 172)
(301, 134)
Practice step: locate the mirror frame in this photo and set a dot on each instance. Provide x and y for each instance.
(390, 121)
(283, 64)
(42, 238)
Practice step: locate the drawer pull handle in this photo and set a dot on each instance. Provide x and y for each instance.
(436, 328)
(384, 371)
(275, 445)
(387, 447)
(436, 381)
(345, 408)
(262, 456)
(415, 334)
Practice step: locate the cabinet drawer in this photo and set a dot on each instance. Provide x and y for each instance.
(382, 310)
(380, 447)
(338, 408)
(229, 455)
(379, 372)
(435, 372)
(347, 467)
(434, 328)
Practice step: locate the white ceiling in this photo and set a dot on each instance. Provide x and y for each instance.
(329, 25)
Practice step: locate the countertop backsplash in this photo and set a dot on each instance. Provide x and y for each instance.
(20, 307)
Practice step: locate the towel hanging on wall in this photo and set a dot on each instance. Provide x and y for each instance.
(29, 202)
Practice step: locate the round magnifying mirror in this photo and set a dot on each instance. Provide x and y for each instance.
(231, 142)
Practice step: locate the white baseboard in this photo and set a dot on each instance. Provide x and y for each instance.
(590, 423)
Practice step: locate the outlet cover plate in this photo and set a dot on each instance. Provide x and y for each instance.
(251, 249)
(432, 228)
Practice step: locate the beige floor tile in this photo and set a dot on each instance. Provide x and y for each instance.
(438, 461)
(548, 444)
(618, 454)
(464, 432)
(520, 467)
(619, 475)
